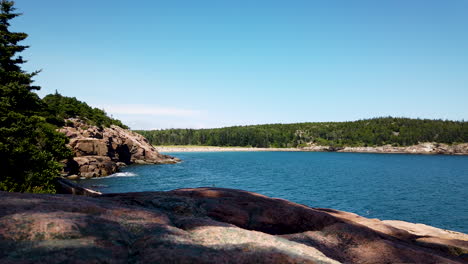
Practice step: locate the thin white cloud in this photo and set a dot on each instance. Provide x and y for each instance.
(149, 110)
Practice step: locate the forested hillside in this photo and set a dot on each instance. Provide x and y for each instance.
(62, 107)
(368, 132)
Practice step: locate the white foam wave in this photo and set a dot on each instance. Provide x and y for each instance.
(118, 174)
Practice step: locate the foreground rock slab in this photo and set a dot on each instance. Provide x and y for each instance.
(208, 225)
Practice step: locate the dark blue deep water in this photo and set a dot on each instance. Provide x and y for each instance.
(418, 188)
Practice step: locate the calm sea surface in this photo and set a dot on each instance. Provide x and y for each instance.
(418, 188)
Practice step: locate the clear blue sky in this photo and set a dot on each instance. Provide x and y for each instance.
(162, 64)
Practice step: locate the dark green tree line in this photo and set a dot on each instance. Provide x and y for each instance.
(369, 132)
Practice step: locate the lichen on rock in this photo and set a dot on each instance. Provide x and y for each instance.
(208, 225)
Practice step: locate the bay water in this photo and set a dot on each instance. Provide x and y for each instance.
(429, 189)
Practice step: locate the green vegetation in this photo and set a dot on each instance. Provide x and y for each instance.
(369, 132)
(62, 107)
(30, 146)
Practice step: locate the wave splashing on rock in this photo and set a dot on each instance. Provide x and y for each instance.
(119, 174)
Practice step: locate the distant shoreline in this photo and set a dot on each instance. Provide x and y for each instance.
(219, 149)
(422, 148)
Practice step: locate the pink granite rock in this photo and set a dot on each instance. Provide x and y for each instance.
(101, 151)
(207, 225)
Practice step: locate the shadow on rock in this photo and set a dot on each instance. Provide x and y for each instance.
(206, 225)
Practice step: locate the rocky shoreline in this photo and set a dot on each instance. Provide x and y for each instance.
(208, 225)
(422, 148)
(101, 152)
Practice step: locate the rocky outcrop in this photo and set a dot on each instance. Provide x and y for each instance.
(421, 148)
(65, 186)
(102, 151)
(208, 225)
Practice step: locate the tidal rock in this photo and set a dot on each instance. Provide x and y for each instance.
(73, 177)
(102, 151)
(207, 225)
(421, 148)
(68, 187)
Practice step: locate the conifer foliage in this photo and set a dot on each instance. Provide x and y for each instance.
(30, 147)
(362, 133)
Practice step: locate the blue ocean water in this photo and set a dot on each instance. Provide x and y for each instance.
(429, 189)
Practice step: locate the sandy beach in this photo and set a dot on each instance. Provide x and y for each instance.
(422, 148)
(218, 149)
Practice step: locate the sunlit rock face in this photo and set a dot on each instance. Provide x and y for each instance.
(101, 151)
(208, 225)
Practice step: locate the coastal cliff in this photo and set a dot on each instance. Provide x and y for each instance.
(101, 151)
(208, 225)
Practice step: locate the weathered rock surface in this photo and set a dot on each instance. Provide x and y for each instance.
(208, 225)
(101, 151)
(421, 148)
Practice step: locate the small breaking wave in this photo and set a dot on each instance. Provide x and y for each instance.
(118, 174)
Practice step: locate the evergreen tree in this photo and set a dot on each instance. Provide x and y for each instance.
(30, 148)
